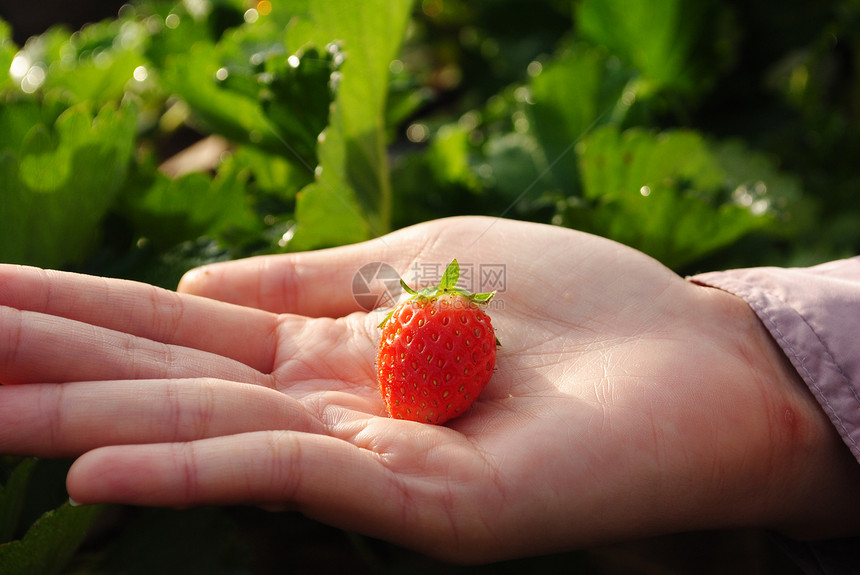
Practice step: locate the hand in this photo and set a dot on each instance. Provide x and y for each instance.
(626, 401)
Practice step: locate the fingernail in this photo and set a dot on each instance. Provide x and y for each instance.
(74, 503)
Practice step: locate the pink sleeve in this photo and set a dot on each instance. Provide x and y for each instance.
(814, 316)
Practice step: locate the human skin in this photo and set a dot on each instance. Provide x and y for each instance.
(626, 401)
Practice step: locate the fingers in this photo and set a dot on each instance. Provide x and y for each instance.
(326, 478)
(61, 420)
(145, 311)
(320, 283)
(35, 347)
(422, 503)
(313, 472)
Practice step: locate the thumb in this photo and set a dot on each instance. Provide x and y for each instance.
(325, 283)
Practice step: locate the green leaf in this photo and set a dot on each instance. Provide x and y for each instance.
(92, 80)
(60, 182)
(96, 64)
(17, 118)
(369, 34)
(8, 49)
(50, 542)
(185, 30)
(221, 105)
(753, 177)
(451, 276)
(298, 100)
(513, 166)
(327, 216)
(247, 88)
(169, 211)
(448, 157)
(616, 163)
(44, 167)
(12, 498)
(572, 94)
(483, 298)
(327, 210)
(271, 173)
(666, 194)
(672, 43)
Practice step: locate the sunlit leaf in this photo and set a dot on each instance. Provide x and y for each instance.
(451, 275)
(327, 217)
(448, 157)
(271, 173)
(8, 49)
(60, 182)
(97, 63)
(257, 94)
(216, 102)
(369, 35)
(97, 81)
(666, 194)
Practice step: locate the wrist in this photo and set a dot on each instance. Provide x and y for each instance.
(806, 483)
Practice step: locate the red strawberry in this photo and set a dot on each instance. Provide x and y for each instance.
(437, 351)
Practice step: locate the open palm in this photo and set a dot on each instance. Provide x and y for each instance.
(624, 401)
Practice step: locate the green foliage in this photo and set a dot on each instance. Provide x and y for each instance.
(161, 541)
(12, 494)
(672, 44)
(171, 210)
(354, 151)
(59, 179)
(704, 133)
(306, 94)
(573, 93)
(50, 542)
(7, 54)
(670, 195)
(251, 94)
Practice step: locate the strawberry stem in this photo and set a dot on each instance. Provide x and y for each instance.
(447, 285)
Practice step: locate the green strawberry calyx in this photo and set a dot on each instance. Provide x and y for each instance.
(447, 285)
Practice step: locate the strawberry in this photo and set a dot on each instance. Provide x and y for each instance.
(437, 351)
